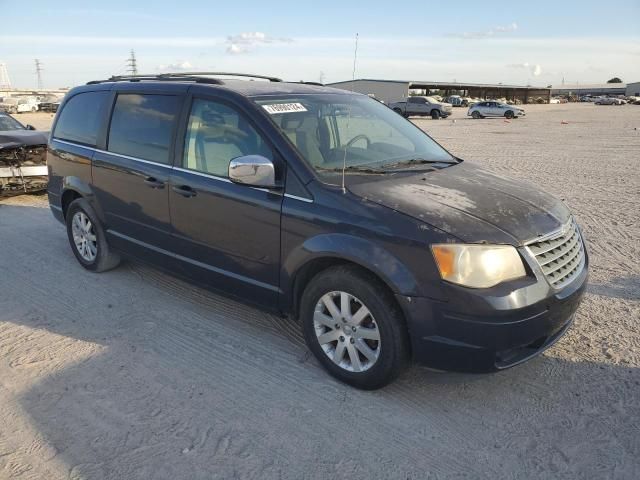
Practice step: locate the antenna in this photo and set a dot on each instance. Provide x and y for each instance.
(353, 81)
(132, 64)
(39, 73)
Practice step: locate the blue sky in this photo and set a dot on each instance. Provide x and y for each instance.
(510, 42)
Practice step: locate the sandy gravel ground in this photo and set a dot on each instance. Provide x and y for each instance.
(132, 374)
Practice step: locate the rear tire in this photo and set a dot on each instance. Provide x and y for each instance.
(435, 114)
(476, 115)
(87, 238)
(398, 111)
(366, 350)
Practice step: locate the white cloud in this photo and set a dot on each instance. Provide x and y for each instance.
(488, 34)
(246, 41)
(183, 65)
(535, 70)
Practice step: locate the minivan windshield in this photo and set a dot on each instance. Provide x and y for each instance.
(332, 130)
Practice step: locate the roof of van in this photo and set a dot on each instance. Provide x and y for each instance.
(244, 87)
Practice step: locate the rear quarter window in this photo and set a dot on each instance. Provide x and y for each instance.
(81, 118)
(142, 126)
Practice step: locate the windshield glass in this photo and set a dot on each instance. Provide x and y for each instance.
(8, 123)
(367, 136)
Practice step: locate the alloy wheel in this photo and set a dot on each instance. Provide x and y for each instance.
(84, 236)
(347, 331)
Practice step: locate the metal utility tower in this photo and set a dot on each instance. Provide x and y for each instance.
(5, 82)
(132, 65)
(39, 73)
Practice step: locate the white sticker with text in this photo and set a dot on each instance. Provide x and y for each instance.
(284, 108)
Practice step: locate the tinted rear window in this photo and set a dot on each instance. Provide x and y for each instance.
(142, 126)
(81, 117)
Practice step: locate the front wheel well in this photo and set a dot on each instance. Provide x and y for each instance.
(67, 197)
(314, 267)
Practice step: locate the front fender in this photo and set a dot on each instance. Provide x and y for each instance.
(360, 251)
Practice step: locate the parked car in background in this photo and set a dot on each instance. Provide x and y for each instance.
(50, 103)
(23, 166)
(495, 109)
(554, 100)
(19, 104)
(457, 101)
(422, 106)
(323, 205)
(605, 101)
(9, 105)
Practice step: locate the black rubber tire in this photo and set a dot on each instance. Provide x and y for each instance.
(105, 258)
(508, 114)
(394, 349)
(398, 111)
(435, 114)
(476, 115)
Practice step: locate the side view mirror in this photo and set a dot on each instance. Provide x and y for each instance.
(30, 127)
(254, 170)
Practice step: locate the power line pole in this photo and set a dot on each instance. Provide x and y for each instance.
(132, 64)
(5, 81)
(39, 73)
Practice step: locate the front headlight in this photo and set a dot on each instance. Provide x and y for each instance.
(477, 266)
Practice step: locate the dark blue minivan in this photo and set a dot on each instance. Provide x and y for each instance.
(320, 204)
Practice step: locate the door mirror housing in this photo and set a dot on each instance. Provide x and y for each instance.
(30, 127)
(253, 170)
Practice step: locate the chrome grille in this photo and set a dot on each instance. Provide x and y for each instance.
(561, 256)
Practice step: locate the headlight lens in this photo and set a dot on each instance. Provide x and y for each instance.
(477, 266)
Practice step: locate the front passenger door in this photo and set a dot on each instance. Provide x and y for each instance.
(227, 235)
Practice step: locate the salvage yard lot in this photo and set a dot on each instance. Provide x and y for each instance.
(134, 374)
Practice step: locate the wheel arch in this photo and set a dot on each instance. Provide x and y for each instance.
(73, 188)
(326, 251)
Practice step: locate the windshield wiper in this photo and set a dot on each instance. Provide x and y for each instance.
(416, 161)
(413, 162)
(353, 168)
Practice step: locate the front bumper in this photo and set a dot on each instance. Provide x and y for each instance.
(492, 329)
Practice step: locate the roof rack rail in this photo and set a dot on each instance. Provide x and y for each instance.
(225, 74)
(306, 82)
(198, 77)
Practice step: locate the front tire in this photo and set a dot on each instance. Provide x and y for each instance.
(87, 238)
(353, 326)
(476, 115)
(435, 114)
(508, 114)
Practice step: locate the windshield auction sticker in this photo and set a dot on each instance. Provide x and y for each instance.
(284, 108)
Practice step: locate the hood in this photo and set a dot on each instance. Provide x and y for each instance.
(470, 203)
(18, 138)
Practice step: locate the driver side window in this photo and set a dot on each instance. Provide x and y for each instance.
(216, 134)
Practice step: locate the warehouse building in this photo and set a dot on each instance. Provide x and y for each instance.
(633, 89)
(397, 90)
(595, 89)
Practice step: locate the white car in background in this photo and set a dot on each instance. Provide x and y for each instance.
(19, 104)
(494, 109)
(607, 101)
